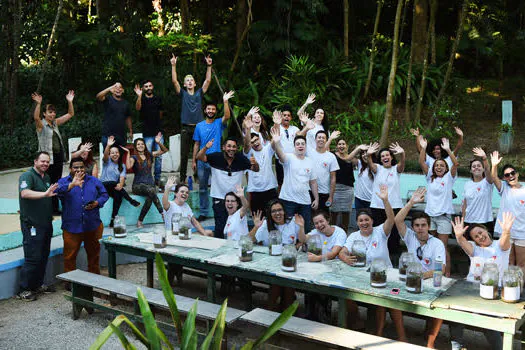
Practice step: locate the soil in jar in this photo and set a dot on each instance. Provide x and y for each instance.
(119, 231)
(360, 259)
(378, 279)
(289, 264)
(413, 284)
(246, 255)
(184, 235)
(163, 243)
(315, 250)
(403, 272)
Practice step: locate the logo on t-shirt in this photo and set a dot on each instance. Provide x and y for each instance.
(374, 244)
(442, 184)
(23, 185)
(325, 164)
(307, 170)
(427, 261)
(522, 202)
(479, 189)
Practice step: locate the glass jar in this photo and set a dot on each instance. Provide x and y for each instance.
(488, 288)
(315, 245)
(519, 271)
(245, 248)
(175, 223)
(378, 273)
(119, 227)
(159, 238)
(359, 251)
(289, 258)
(414, 279)
(184, 228)
(511, 286)
(405, 259)
(275, 242)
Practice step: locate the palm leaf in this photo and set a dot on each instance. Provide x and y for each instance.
(149, 321)
(125, 342)
(277, 324)
(106, 333)
(168, 294)
(219, 320)
(189, 333)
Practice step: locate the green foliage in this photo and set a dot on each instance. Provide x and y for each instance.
(360, 125)
(505, 128)
(187, 333)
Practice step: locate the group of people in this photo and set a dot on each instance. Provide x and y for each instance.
(311, 190)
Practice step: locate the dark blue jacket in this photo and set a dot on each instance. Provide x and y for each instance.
(76, 219)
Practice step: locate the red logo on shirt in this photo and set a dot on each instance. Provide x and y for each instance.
(522, 201)
(443, 184)
(427, 261)
(307, 170)
(325, 165)
(494, 257)
(374, 244)
(479, 189)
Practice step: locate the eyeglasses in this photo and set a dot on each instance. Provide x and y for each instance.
(509, 174)
(419, 253)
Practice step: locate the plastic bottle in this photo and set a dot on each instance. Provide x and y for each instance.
(324, 252)
(438, 271)
(190, 183)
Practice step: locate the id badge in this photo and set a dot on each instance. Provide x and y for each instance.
(33, 232)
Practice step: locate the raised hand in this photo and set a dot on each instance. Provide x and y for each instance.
(459, 227)
(51, 191)
(458, 131)
(507, 219)
(310, 99)
(303, 117)
(208, 60)
(423, 143)
(277, 117)
(173, 60)
(111, 141)
(209, 144)
(335, 134)
(116, 86)
(414, 132)
(85, 148)
(228, 95)
(479, 152)
(495, 159)
(276, 134)
(239, 191)
(170, 182)
(419, 195)
(394, 147)
(383, 192)
(138, 90)
(248, 122)
(158, 138)
(373, 148)
(310, 124)
(253, 111)
(70, 95)
(362, 147)
(445, 144)
(258, 219)
(124, 149)
(36, 97)
(299, 220)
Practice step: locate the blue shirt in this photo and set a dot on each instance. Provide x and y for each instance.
(110, 172)
(205, 132)
(76, 219)
(191, 107)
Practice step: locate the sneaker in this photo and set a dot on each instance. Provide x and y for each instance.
(454, 345)
(26, 295)
(43, 289)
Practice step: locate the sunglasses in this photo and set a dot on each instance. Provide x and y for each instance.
(419, 253)
(509, 174)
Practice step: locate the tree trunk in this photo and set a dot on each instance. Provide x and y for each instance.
(453, 51)
(243, 36)
(392, 78)
(373, 50)
(403, 21)
(157, 6)
(15, 59)
(433, 13)
(419, 107)
(408, 94)
(420, 25)
(345, 14)
(185, 16)
(103, 13)
(241, 21)
(49, 45)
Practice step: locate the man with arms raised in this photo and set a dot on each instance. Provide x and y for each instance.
(117, 115)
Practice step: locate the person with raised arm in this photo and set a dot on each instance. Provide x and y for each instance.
(117, 115)
(440, 181)
(388, 172)
(320, 121)
(477, 192)
(433, 149)
(143, 184)
(85, 151)
(299, 179)
(288, 133)
(49, 137)
(512, 194)
(209, 129)
(191, 108)
(424, 246)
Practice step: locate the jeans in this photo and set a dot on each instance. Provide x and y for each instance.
(360, 204)
(186, 145)
(153, 146)
(305, 210)
(259, 200)
(204, 173)
(221, 216)
(36, 253)
(150, 192)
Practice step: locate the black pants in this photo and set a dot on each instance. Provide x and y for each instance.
(394, 243)
(36, 253)
(323, 197)
(150, 192)
(259, 200)
(221, 216)
(279, 171)
(186, 146)
(55, 173)
(117, 196)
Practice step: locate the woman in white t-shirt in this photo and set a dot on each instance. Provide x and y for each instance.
(332, 237)
(363, 182)
(292, 232)
(512, 194)
(258, 125)
(320, 121)
(440, 180)
(434, 150)
(236, 207)
(477, 193)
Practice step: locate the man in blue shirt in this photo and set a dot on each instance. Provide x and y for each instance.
(207, 130)
(82, 195)
(191, 109)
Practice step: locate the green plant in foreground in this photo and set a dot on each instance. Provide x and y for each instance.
(187, 333)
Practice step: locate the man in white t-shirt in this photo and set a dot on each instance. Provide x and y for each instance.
(299, 178)
(325, 167)
(262, 184)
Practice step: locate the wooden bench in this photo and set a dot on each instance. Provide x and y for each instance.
(326, 334)
(82, 284)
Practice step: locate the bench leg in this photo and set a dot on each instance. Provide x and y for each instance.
(81, 292)
(507, 341)
(112, 272)
(211, 287)
(341, 312)
(149, 267)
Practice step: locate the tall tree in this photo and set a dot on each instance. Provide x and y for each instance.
(373, 50)
(422, 87)
(433, 14)
(157, 6)
(185, 16)
(16, 11)
(244, 33)
(346, 10)
(392, 78)
(420, 24)
(408, 94)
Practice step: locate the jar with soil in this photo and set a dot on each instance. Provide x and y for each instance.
(289, 258)
(378, 273)
(405, 259)
(359, 251)
(159, 238)
(488, 288)
(414, 278)
(184, 228)
(245, 248)
(119, 227)
(510, 291)
(175, 223)
(275, 242)
(519, 271)
(315, 245)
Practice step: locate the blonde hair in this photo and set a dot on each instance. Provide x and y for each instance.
(189, 76)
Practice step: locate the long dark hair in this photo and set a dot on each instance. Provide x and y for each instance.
(364, 165)
(378, 159)
(119, 161)
(269, 220)
(147, 154)
(434, 143)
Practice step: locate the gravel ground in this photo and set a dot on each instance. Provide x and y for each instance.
(47, 323)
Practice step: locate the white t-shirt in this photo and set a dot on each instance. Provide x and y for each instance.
(174, 208)
(363, 183)
(324, 163)
(288, 230)
(479, 201)
(337, 238)
(235, 226)
(310, 136)
(430, 161)
(264, 179)
(390, 177)
(376, 244)
(288, 138)
(492, 253)
(439, 194)
(297, 176)
(512, 200)
(433, 249)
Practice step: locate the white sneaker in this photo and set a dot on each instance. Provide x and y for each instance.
(455, 345)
